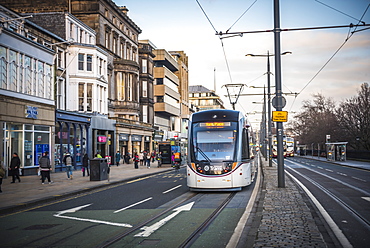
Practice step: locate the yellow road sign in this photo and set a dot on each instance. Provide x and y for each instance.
(280, 116)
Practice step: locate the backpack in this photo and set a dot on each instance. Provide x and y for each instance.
(68, 160)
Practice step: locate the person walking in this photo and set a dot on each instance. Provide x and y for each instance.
(118, 158)
(68, 161)
(2, 175)
(85, 165)
(159, 159)
(141, 158)
(136, 161)
(45, 167)
(148, 157)
(15, 164)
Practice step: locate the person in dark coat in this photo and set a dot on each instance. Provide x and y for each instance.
(45, 167)
(15, 164)
(118, 158)
(85, 165)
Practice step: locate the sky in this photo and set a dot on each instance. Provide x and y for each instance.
(182, 25)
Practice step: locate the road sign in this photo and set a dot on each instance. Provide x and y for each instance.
(280, 116)
(275, 104)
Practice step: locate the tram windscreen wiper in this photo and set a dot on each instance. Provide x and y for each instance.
(203, 154)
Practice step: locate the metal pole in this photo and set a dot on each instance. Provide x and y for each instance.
(279, 107)
(264, 123)
(269, 110)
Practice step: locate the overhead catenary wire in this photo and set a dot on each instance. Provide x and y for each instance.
(349, 35)
(339, 11)
(241, 15)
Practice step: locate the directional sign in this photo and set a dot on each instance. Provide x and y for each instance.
(280, 116)
(151, 229)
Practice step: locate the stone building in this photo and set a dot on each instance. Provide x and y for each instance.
(204, 98)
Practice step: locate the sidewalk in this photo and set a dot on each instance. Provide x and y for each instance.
(349, 163)
(285, 219)
(30, 191)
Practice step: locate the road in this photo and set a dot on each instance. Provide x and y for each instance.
(343, 193)
(157, 210)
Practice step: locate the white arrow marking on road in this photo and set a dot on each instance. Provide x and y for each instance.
(73, 210)
(151, 229)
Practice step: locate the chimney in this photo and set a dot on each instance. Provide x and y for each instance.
(124, 9)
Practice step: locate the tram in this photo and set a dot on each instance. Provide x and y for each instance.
(220, 151)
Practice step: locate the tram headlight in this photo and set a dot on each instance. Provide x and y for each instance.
(206, 168)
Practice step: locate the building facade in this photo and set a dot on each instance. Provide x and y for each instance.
(204, 98)
(27, 104)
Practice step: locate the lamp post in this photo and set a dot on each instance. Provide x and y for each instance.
(268, 100)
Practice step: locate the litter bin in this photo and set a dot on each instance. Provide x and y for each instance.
(98, 169)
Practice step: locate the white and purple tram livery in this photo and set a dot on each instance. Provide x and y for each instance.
(220, 154)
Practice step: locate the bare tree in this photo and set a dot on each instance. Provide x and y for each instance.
(354, 119)
(316, 120)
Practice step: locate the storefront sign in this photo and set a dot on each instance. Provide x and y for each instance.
(102, 139)
(31, 112)
(146, 138)
(135, 137)
(123, 137)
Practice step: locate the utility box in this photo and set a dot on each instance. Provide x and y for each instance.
(98, 169)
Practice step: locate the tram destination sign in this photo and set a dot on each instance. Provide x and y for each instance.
(280, 116)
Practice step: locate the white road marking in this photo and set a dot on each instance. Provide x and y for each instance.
(119, 210)
(360, 179)
(165, 192)
(329, 170)
(342, 174)
(366, 198)
(73, 210)
(148, 230)
(338, 233)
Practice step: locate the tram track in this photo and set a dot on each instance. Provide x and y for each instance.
(193, 196)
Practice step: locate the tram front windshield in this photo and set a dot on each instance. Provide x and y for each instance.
(214, 142)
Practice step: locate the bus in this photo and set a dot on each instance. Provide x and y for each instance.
(274, 146)
(289, 146)
(220, 151)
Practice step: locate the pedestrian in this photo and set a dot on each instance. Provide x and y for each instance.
(153, 155)
(148, 156)
(15, 164)
(2, 175)
(127, 157)
(118, 158)
(159, 159)
(136, 161)
(141, 158)
(85, 165)
(45, 167)
(68, 161)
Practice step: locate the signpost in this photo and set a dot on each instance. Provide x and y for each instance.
(280, 116)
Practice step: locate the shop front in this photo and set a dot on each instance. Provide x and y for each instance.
(26, 132)
(71, 136)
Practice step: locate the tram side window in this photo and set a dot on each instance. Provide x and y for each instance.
(245, 145)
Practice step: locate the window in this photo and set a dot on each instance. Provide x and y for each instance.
(13, 68)
(41, 79)
(81, 58)
(120, 86)
(89, 62)
(129, 88)
(145, 88)
(145, 114)
(60, 59)
(100, 66)
(144, 68)
(89, 97)
(3, 73)
(28, 75)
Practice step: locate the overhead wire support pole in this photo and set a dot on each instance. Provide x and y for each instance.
(278, 88)
(233, 34)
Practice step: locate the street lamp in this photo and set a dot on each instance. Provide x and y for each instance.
(268, 55)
